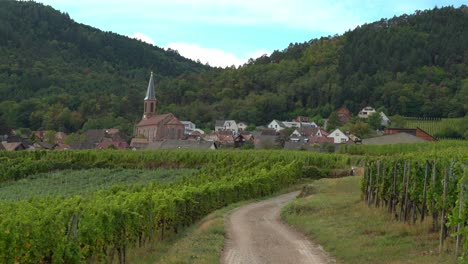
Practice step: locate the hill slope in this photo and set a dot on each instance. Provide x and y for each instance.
(413, 65)
(58, 74)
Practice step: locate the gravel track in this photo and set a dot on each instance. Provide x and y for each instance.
(256, 235)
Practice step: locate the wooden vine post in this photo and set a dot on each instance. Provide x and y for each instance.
(461, 200)
(424, 206)
(442, 215)
(434, 211)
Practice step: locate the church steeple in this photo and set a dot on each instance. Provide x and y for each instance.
(150, 100)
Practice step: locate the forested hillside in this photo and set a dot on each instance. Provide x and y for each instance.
(58, 74)
(413, 65)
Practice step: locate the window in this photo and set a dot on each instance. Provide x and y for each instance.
(343, 140)
(337, 134)
(145, 107)
(152, 107)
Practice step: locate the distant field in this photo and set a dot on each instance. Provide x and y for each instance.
(435, 126)
(82, 182)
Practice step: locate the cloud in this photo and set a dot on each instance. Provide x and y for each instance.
(214, 57)
(142, 37)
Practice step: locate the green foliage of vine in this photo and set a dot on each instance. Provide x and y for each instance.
(102, 225)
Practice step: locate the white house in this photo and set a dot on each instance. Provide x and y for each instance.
(292, 124)
(295, 133)
(308, 124)
(226, 125)
(338, 136)
(242, 126)
(385, 119)
(366, 112)
(189, 127)
(276, 125)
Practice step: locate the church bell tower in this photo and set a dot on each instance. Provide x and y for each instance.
(150, 100)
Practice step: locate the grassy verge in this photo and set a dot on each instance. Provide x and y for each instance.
(336, 218)
(202, 243)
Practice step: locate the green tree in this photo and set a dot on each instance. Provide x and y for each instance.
(333, 121)
(375, 121)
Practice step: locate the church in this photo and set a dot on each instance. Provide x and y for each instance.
(155, 127)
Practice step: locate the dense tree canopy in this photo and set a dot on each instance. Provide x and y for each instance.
(60, 75)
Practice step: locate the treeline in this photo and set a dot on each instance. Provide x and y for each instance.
(60, 75)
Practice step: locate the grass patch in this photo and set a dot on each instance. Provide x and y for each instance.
(349, 230)
(81, 182)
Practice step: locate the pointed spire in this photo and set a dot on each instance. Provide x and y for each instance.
(150, 93)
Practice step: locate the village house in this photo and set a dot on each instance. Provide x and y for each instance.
(276, 125)
(189, 127)
(338, 136)
(226, 125)
(366, 112)
(280, 125)
(301, 119)
(14, 146)
(242, 126)
(385, 120)
(344, 115)
(155, 127)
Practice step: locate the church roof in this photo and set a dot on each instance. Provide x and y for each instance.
(154, 120)
(174, 121)
(150, 92)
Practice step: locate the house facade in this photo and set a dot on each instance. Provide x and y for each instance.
(189, 127)
(242, 126)
(155, 127)
(226, 125)
(366, 112)
(338, 136)
(276, 125)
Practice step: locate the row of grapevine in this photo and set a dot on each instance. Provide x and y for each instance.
(396, 149)
(414, 187)
(102, 226)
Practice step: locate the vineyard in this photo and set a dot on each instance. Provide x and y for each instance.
(439, 127)
(103, 224)
(82, 182)
(427, 182)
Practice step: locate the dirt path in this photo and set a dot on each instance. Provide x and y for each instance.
(257, 235)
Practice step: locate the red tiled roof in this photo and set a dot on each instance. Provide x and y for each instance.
(154, 120)
(314, 139)
(174, 121)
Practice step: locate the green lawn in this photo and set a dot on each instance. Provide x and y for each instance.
(82, 182)
(337, 218)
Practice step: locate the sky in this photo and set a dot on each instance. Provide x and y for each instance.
(229, 32)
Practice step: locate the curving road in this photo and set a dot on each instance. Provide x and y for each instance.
(256, 235)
